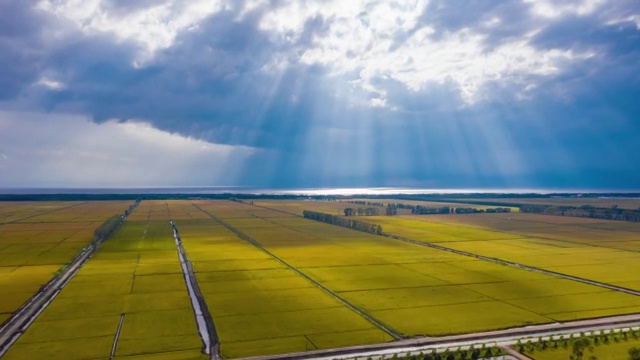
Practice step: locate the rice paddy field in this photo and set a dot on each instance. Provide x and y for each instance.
(601, 250)
(38, 238)
(622, 203)
(277, 283)
(134, 277)
(411, 289)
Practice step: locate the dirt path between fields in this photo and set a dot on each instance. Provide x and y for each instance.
(379, 324)
(499, 261)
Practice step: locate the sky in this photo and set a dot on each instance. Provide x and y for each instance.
(301, 94)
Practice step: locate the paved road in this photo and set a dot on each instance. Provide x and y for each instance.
(491, 338)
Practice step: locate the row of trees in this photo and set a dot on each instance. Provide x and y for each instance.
(104, 230)
(612, 213)
(131, 208)
(428, 210)
(472, 353)
(480, 211)
(582, 345)
(361, 212)
(341, 221)
(111, 224)
(366, 203)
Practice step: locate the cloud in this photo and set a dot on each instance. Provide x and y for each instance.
(152, 25)
(414, 92)
(60, 150)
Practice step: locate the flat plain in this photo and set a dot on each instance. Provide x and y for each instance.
(38, 238)
(622, 203)
(134, 277)
(413, 289)
(276, 283)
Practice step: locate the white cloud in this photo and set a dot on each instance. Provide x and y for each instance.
(556, 9)
(153, 27)
(360, 40)
(379, 39)
(50, 84)
(44, 149)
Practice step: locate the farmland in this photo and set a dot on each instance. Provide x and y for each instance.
(623, 203)
(135, 277)
(412, 289)
(600, 250)
(37, 239)
(277, 283)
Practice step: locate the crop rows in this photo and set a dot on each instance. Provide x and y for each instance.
(415, 290)
(132, 286)
(586, 248)
(37, 239)
(278, 283)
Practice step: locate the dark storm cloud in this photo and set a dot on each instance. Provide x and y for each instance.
(20, 44)
(228, 80)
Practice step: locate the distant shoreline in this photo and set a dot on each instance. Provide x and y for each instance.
(43, 194)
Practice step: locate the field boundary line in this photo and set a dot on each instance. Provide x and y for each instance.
(44, 213)
(515, 265)
(20, 321)
(379, 324)
(500, 261)
(204, 320)
(529, 237)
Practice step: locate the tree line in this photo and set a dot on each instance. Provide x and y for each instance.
(342, 221)
(366, 203)
(582, 345)
(587, 211)
(430, 210)
(104, 230)
(361, 212)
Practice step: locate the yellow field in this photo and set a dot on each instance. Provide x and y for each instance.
(259, 305)
(600, 250)
(622, 203)
(413, 289)
(135, 273)
(269, 297)
(38, 238)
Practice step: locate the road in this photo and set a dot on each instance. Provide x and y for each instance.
(20, 321)
(500, 338)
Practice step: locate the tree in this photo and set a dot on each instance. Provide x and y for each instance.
(634, 353)
(348, 212)
(579, 347)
